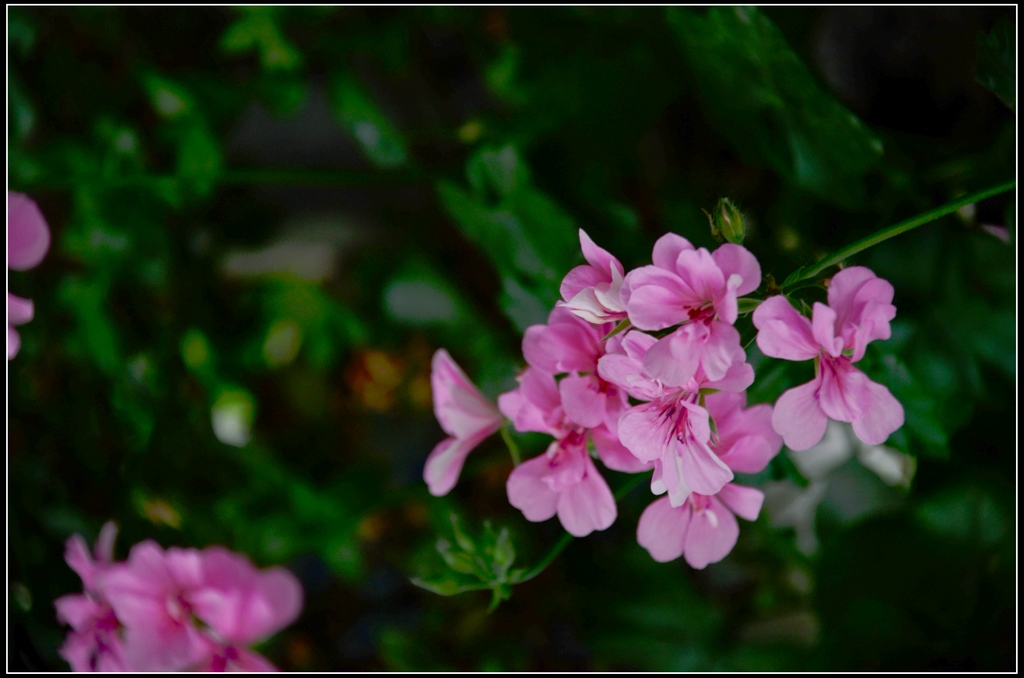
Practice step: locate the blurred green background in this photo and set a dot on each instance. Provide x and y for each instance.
(266, 220)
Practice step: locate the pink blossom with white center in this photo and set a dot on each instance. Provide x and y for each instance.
(94, 643)
(28, 239)
(703, 529)
(697, 289)
(859, 311)
(671, 428)
(592, 291)
(464, 414)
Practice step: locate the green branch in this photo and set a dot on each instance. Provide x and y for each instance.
(513, 449)
(806, 272)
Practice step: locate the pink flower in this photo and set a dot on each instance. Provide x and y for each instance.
(568, 344)
(28, 239)
(592, 291)
(464, 414)
(703, 529)
(695, 287)
(184, 608)
(94, 643)
(563, 480)
(859, 311)
(671, 429)
(685, 283)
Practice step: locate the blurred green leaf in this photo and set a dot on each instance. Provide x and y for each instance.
(758, 93)
(257, 28)
(356, 111)
(997, 61)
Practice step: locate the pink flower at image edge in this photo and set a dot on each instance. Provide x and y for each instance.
(28, 239)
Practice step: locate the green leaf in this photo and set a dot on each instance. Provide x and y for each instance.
(199, 157)
(257, 29)
(356, 110)
(763, 98)
(997, 61)
(475, 562)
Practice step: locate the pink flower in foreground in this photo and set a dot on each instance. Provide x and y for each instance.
(703, 529)
(28, 239)
(592, 291)
(185, 608)
(464, 414)
(94, 643)
(859, 311)
(699, 290)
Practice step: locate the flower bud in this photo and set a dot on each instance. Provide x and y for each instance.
(728, 220)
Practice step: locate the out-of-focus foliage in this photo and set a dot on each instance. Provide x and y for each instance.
(266, 220)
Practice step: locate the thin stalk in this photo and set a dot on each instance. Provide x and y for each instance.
(560, 545)
(881, 236)
(513, 449)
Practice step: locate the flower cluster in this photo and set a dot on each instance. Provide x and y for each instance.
(172, 610)
(647, 369)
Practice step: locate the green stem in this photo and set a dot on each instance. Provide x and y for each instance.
(560, 545)
(881, 236)
(513, 449)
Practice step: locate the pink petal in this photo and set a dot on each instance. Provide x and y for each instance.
(28, 236)
(103, 549)
(77, 610)
(445, 464)
(739, 378)
(642, 431)
(241, 604)
(582, 400)
(743, 501)
(596, 256)
(844, 394)
(704, 472)
(737, 260)
(579, 279)
(746, 439)
(13, 342)
(712, 535)
(823, 327)
(721, 349)
(78, 558)
(843, 287)
(588, 505)
(798, 417)
(662, 530)
(528, 492)
(459, 406)
(673, 360)
(614, 454)
(782, 332)
(882, 416)
(672, 479)
(667, 249)
(19, 311)
(702, 279)
(655, 298)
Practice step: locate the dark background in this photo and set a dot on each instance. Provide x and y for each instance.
(266, 220)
